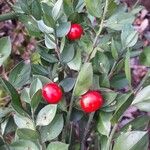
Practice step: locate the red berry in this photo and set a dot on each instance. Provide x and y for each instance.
(75, 32)
(52, 93)
(91, 101)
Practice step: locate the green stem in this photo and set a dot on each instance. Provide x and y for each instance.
(8, 16)
(142, 82)
(86, 130)
(57, 49)
(137, 2)
(109, 142)
(99, 31)
(40, 140)
(38, 130)
(70, 109)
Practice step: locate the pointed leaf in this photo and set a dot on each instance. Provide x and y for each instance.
(24, 122)
(125, 102)
(46, 115)
(15, 102)
(57, 146)
(35, 86)
(94, 7)
(57, 9)
(104, 124)
(52, 130)
(5, 49)
(84, 80)
(20, 75)
(24, 145)
(135, 140)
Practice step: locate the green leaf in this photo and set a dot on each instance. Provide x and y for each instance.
(104, 80)
(57, 146)
(119, 19)
(135, 140)
(24, 145)
(142, 96)
(114, 49)
(63, 29)
(4, 111)
(111, 7)
(125, 101)
(68, 7)
(36, 9)
(138, 123)
(79, 6)
(103, 142)
(35, 86)
(20, 75)
(44, 28)
(23, 122)
(84, 80)
(52, 130)
(119, 81)
(109, 97)
(75, 64)
(104, 124)
(101, 63)
(49, 41)
(36, 99)
(142, 99)
(8, 126)
(144, 57)
(94, 7)
(39, 70)
(49, 21)
(25, 96)
(129, 36)
(24, 6)
(43, 79)
(67, 53)
(67, 84)
(127, 67)
(143, 106)
(30, 24)
(27, 134)
(5, 49)
(45, 55)
(46, 115)
(57, 9)
(15, 101)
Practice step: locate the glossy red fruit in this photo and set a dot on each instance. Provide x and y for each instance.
(52, 93)
(91, 101)
(75, 32)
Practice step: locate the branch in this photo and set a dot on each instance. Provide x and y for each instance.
(99, 31)
(8, 16)
(86, 131)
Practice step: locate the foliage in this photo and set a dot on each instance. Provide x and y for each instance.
(99, 60)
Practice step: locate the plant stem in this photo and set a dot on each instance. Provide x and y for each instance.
(8, 16)
(108, 146)
(70, 109)
(142, 82)
(135, 4)
(86, 130)
(40, 140)
(57, 50)
(99, 31)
